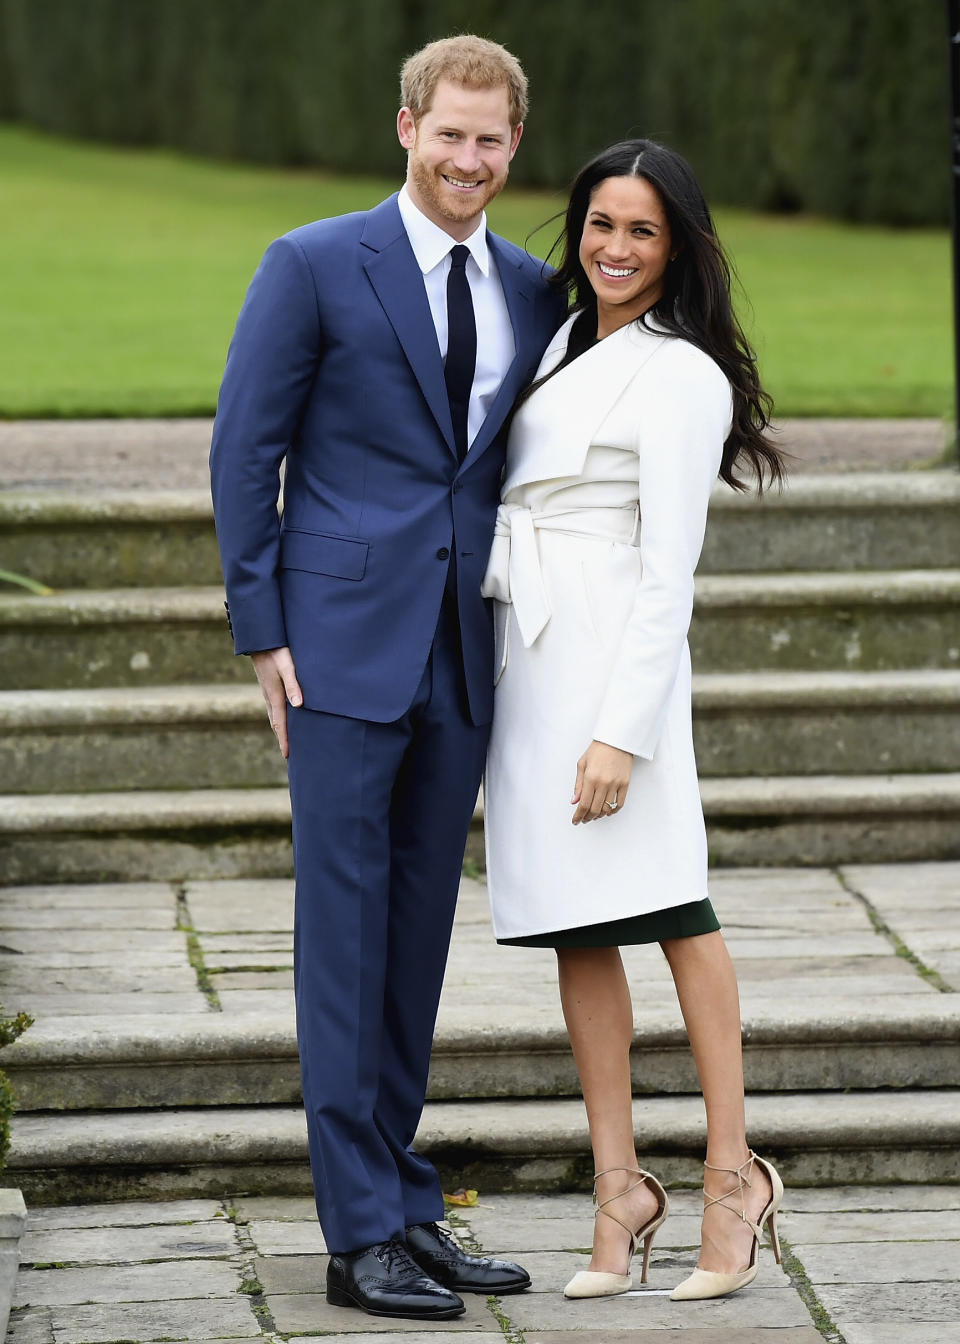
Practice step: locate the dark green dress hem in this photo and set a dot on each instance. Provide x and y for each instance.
(680, 921)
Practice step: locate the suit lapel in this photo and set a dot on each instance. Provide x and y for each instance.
(398, 283)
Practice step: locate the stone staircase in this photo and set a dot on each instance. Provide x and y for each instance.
(826, 642)
(145, 904)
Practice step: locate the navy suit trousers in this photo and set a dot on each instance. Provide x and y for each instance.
(380, 819)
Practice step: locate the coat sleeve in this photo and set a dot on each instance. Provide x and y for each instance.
(270, 368)
(684, 415)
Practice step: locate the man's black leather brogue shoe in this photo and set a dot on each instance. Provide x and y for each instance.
(384, 1280)
(436, 1252)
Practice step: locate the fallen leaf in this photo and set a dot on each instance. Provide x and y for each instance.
(462, 1199)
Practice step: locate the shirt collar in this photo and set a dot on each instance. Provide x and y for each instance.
(431, 244)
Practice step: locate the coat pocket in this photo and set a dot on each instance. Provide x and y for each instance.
(589, 603)
(320, 553)
(608, 582)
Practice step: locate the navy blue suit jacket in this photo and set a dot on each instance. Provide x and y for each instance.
(334, 365)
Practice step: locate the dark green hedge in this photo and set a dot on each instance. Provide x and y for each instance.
(836, 106)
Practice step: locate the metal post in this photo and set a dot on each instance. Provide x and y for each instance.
(953, 17)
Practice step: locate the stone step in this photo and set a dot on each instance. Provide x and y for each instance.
(866, 521)
(823, 1043)
(774, 723)
(133, 636)
(847, 621)
(110, 538)
(212, 735)
(829, 819)
(872, 621)
(122, 539)
(152, 834)
(138, 737)
(146, 835)
(534, 1146)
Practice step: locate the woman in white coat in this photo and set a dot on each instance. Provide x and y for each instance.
(647, 393)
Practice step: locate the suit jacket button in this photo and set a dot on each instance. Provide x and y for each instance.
(443, 553)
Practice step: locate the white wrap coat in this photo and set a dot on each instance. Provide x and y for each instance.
(609, 471)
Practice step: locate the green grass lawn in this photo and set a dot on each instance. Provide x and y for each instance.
(121, 273)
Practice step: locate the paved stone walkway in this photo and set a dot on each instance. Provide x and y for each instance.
(172, 454)
(843, 936)
(863, 1265)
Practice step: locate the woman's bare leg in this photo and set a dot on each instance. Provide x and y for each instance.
(599, 1017)
(706, 986)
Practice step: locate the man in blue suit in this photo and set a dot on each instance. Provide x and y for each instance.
(378, 355)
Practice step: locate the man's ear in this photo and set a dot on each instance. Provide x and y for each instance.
(406, 128)
(515, 138)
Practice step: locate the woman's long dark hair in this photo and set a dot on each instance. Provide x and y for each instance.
(696, 301)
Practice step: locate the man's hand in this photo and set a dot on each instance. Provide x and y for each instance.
(278, 681)
(603, 777)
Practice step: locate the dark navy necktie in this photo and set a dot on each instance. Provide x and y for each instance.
(461, 346)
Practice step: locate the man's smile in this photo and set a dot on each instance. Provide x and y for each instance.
(461, 183)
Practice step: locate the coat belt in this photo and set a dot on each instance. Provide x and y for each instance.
(514, 573)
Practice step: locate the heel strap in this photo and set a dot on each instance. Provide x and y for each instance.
(601, 1206)
(743, 1181)
(630, 1171)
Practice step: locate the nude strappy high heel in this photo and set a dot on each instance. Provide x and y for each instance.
(705, 1282)
(596, 1283)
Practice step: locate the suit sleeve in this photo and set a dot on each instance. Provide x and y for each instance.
(270, 368)
(684, 419)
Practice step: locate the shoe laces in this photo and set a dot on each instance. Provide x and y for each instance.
(394, 1255)
(445, 1235)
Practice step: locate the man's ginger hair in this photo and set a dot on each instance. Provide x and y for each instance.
(473, 62)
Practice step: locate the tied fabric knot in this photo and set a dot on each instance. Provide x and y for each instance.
(513, 572)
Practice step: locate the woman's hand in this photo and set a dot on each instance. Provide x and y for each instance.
(603, 777)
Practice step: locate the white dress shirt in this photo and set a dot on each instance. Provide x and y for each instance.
(496, 346)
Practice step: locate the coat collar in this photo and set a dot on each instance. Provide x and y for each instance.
(431, 244)
(397, 280)
(545, 445)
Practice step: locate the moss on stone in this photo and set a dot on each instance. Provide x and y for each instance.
(10, 1029)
